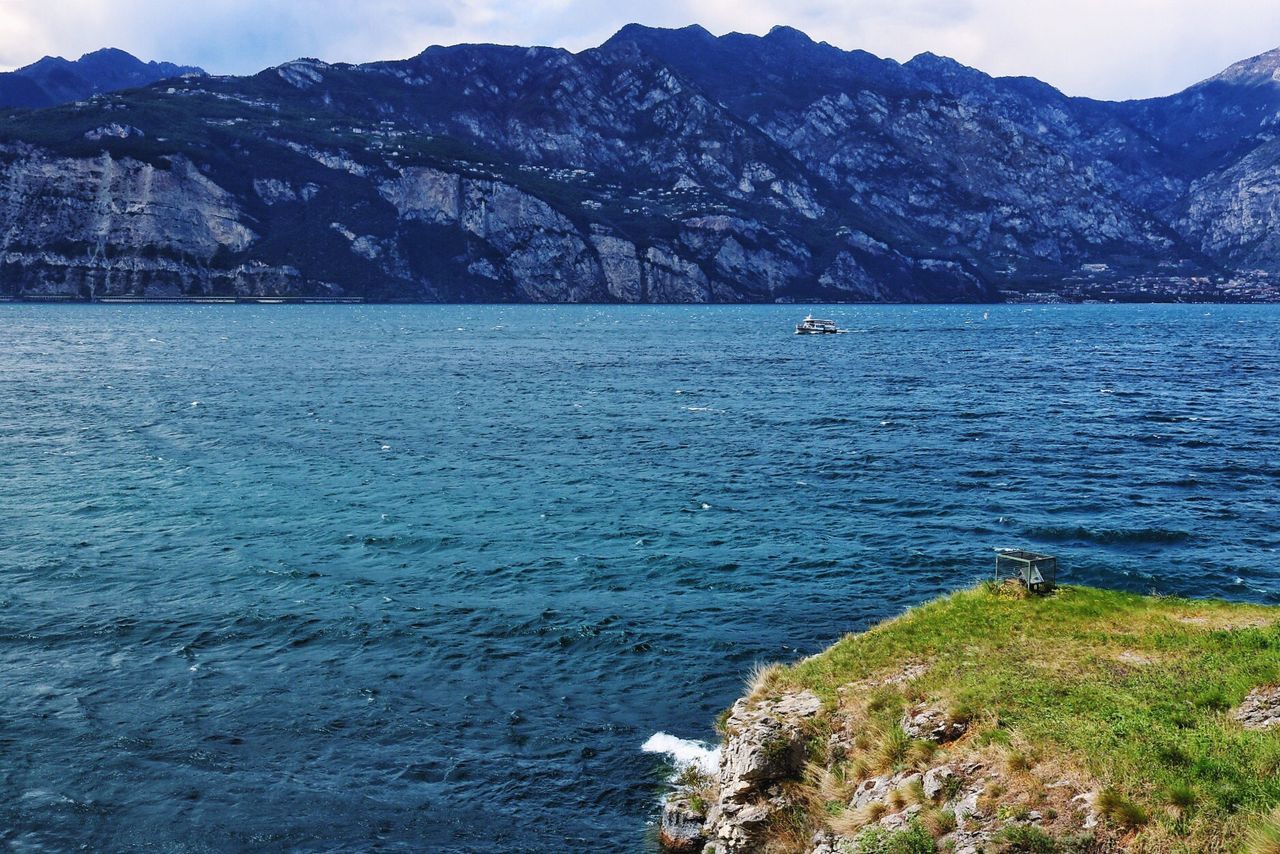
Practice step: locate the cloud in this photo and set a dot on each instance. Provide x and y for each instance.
(1101, 48)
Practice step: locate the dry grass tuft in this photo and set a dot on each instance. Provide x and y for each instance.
(762, 678)
(991, 796)
(894, 748)
(939, 822)
(827, 789)
(1007, 588)
(1018, 761)
(1179, 800)
(1264, 837)
(860, 768)
(921, 752)
(850, 822)
(1121, 810)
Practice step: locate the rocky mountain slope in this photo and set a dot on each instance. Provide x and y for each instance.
(54, 80)
(663, 166)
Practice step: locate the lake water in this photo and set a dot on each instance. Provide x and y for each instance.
(426, 578)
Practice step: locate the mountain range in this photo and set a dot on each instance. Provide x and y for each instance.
(662, 166)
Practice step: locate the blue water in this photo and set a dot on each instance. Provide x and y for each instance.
(425, 578)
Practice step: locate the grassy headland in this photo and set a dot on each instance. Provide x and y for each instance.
(1124, 697)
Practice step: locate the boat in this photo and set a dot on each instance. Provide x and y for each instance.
(816, 326)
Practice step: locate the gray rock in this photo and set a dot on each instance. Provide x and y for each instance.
(764, 743)
(1260, 709)
(966, 808)
(682, 825)
(974, 842)
(935, 780)
(115, 130)
(900, 820)
(870, 791)
(738, 830)
(1087, 801)
(932, 724)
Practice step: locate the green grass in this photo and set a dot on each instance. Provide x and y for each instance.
(914, 840)
(1133, 690)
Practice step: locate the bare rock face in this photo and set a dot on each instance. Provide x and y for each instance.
(1260, 709)
(682, 825)
(430, 195)
(871, 791)
(765, 743)
(670, 278)
(901, 820)
(107, 226)
(122, 204)
(115, 129)
(826, 842)
(621, 267)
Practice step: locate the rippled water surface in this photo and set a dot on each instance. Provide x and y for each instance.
(344, 577)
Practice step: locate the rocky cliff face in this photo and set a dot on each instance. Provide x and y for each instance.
(663, 166)
(777, 768)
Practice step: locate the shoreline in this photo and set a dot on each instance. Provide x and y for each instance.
(292, 300)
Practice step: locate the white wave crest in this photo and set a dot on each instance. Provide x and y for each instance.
(684, 752)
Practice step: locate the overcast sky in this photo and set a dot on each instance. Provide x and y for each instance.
(1100, 48)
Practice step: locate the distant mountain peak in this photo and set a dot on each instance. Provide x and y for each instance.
(782, 31)
(109, 53)
(55, 80)
(928, 57)
(642, 33)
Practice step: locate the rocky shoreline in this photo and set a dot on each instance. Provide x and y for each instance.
(910, 756)
(768, 744)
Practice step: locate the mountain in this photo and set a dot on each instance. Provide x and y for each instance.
(54, 80)
(662, 166)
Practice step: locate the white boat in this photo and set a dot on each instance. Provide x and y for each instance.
(816, 326)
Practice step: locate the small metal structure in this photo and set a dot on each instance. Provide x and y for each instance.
(1038, 573)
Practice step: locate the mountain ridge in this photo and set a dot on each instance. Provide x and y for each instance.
(662, 165)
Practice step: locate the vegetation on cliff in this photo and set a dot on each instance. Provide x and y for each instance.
(1088, 720)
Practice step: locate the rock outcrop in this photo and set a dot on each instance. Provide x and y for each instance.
(683, 828)
(932, 724)
(1260, 709)
(765, 744)
(949, 728)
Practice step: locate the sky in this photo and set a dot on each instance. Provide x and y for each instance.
(1110, 49)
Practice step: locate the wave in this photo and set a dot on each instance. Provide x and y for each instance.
(684, 752)
(1107, 536)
